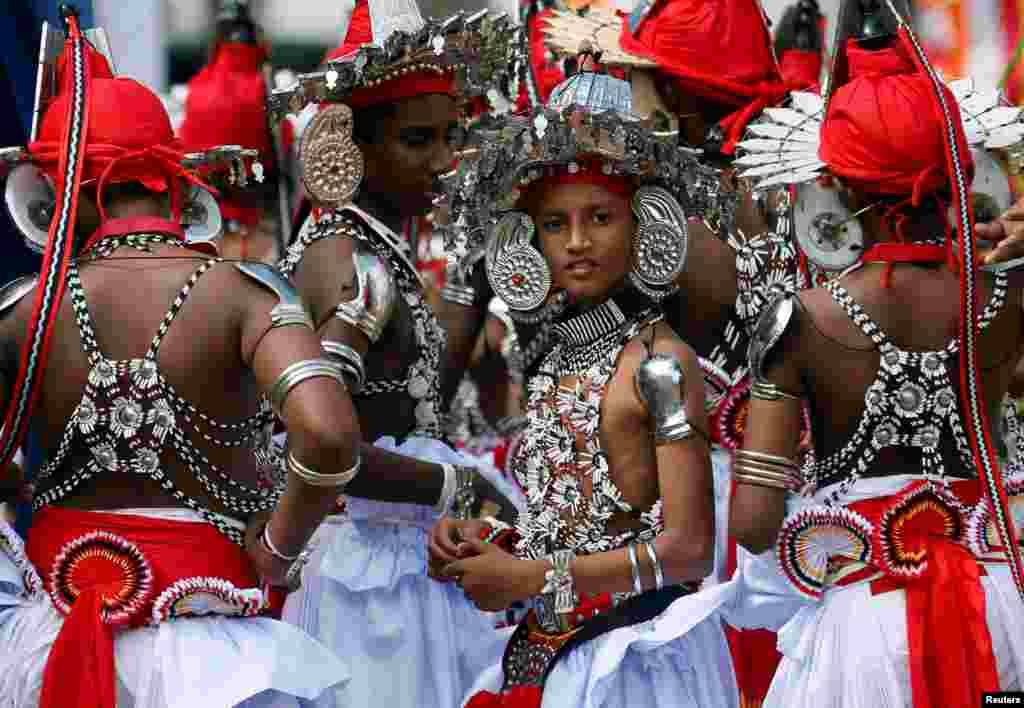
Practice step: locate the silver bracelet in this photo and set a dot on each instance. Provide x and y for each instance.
(273, 549)
(349, 360)
(444, 502)
(638, 587)
(465, 495)
(559, 581)
(659, 576)
(459, 294)
(299, 372)
(319, 479)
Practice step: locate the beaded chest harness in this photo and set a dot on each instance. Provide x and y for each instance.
(130, 417)
(421, 381)
(561, 463)
(911, 404)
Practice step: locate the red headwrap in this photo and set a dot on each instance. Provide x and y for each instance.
(129, 136)
(801, 66)
(419, 83)
(226, 102)
(882, 134)
(718, 49)
(587, 171)
(548, 74)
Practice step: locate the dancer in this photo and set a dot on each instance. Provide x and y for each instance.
(619, 527)
(159, 514)
(896, 536)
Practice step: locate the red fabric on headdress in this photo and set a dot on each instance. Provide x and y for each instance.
(587, 173)
(882, 134)
(129, 136)
(717, 49)
(801, 66)
(420, 83)
(548, 74)
(226, 102)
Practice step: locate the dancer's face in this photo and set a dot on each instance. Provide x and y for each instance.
(586, 234)
(412, 146)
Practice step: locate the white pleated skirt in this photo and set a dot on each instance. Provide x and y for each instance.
(409, 641)
(191, 662)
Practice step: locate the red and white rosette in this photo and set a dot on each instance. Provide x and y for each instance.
(903, 532)
(106, 563)
(982, 535)
(13, 547)
(814, 542)
(202, 596)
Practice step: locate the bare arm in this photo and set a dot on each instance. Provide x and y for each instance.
(322, 424)
(686, 545)
(773, 428)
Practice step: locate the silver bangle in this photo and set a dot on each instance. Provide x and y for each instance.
(444, 502)
(465, 496)
(273, 549)
(459, 294)
(319, 479)
(299, 372)
(350, 361)
(559, 582)
(659, 576)
(638, 587)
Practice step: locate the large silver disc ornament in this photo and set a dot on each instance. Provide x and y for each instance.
(31, 202)
(200, 216)
(515, 269)
(332, 165)
(990, 190)
(660, 240)
(826, 231)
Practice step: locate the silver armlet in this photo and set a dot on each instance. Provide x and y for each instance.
(659, 575)
(661, 385)
(559, 583)
(299, 372)
(319, 479)
(774, 322)
(289, 310)
(12, 293)
(349, 360)
(765, 470)
(464, 295)
(465, 495)
(265, 536)
(374, 302)
(444, 502)
(634, 564)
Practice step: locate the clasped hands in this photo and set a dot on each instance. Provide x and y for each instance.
(491, 577)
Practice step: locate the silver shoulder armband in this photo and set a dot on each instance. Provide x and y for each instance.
(774, 322)
(376, 293)
(12, 293)
(299, 372)
(661, 385)
(349, 360)
(290, 309)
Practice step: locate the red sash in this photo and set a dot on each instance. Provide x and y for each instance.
(104, 571)
(951, 658)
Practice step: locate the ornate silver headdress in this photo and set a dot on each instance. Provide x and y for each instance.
(589, 123)
(479, 51)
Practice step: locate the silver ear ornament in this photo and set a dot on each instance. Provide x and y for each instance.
(827, 232)
(659, 243)
(200, 216)
(31, 202)
(516, 270)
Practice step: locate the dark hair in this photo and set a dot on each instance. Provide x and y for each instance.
(366, 121)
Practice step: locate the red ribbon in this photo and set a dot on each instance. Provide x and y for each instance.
(112, 228)
(951, 657)
(80, 668)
